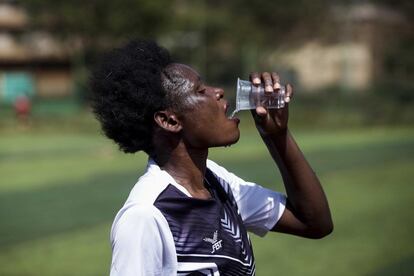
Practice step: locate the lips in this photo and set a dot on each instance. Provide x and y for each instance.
(236, 120)
(225, 104)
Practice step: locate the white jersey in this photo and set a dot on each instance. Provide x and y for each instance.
(162, 230)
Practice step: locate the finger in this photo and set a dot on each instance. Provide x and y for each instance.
(255, 78)
(261, 111)
(267, 79)
(259, 117)
(289, 93)
(276, 81)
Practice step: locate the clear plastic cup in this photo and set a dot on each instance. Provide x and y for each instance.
(249, 96)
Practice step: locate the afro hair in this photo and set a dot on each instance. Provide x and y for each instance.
(126, 91)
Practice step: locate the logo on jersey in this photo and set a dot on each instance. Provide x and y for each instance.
(215, 243)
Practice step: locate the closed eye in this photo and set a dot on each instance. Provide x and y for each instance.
(201, 89)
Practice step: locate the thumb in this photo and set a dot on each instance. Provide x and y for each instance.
(261, 111)
(259, 114)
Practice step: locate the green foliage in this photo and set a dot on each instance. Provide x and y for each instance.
(98, 19)
(227, 39)
(224, 30)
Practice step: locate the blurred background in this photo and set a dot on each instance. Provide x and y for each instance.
(351, 63)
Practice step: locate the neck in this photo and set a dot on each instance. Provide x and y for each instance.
(186, 165)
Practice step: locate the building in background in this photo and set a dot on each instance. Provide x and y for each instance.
(32, 62)
(351, 56)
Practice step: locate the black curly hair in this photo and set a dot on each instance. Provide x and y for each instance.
(126, 91)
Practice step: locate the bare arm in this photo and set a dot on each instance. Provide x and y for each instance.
(307, 213)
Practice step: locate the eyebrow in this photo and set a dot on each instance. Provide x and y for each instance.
(199, 82)
(200, 79)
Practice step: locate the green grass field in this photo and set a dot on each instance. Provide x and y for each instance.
(60, 190)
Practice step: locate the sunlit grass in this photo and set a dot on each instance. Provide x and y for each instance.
(60, 191)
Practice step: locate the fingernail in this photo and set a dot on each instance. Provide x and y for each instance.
(268, 88)
(256, 81)
(261, 111)
(287, 99)
(276, 85)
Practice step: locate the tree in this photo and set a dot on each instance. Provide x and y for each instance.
(226, 34)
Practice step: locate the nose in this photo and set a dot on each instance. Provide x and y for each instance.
(219, 93)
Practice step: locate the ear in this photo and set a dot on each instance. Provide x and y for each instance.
(168, 121)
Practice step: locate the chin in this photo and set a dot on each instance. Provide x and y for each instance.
(228, 145)
(232, 140)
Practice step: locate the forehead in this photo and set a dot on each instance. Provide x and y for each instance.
(184, 71)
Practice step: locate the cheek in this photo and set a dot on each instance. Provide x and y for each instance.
(197, 131)
(206, 125)
(192, 103)
(200, 112)
(210, 132)
(198, 127)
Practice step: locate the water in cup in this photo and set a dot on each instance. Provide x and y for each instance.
(249, 96)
